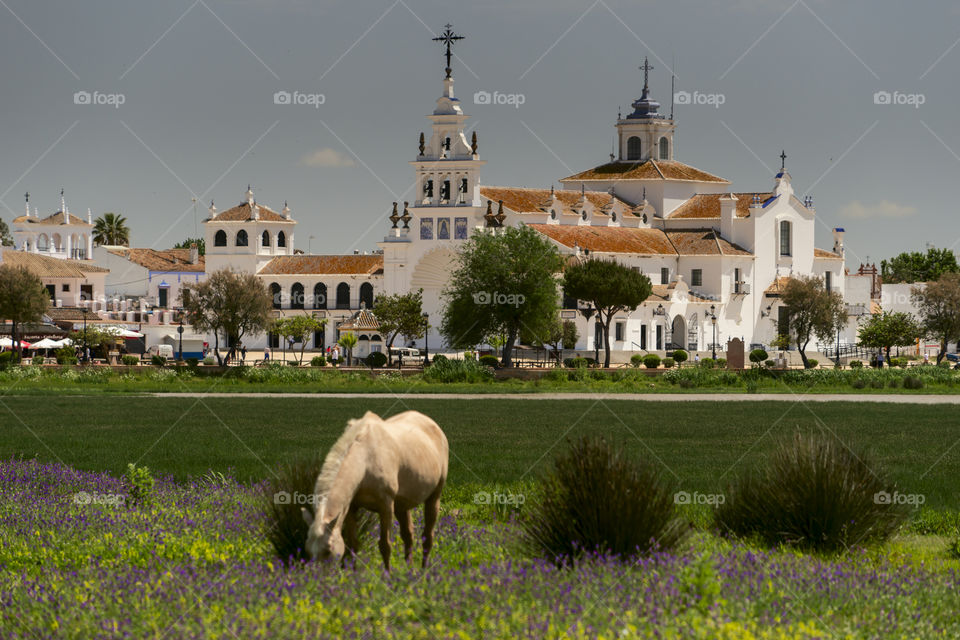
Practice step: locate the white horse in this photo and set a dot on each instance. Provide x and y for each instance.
(385, 466)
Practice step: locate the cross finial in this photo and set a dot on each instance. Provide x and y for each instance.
(27, 196)
(646, 67)
(448, 38)
(783, 159)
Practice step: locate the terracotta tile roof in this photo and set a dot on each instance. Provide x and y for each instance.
(522, 200)
(45, 266)
(325, 265)
(703, 242)
(68, 314)
(362, 320)
(829, 255)
(647, 170)
(608, 239)
(241, 213)
(707, 205)
(157, 260)
(55, 218)
(777, 286)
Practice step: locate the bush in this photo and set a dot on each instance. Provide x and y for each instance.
(139, 484)
(38, 359)
(6, 358)
(708, 363)
(158, 360)
(651, 361)
(193, 363)
(209, 361)
(812, 363)
(439, 356)
(758, 355)
(377, 359)
(813, 492)
(636, 360)
(66, 355)
(770, 364)
(856, 364)
(721, 363)
(597, 500)
(457, 371)
(575, 363)
(130, 360)
(318, 361)
(912, 382)
(490, 361)
(680, 356)
(858, 383)
(668, 363)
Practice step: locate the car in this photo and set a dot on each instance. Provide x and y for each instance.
(406, 352)
(953, 357)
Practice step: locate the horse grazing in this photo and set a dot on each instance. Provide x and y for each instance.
(385, 466)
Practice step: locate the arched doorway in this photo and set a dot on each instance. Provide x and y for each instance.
(678, 333)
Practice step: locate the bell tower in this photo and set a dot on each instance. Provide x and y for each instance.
(645, 134)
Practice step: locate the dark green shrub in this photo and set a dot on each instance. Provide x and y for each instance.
(813, 492)
(894, 383)
(158, 360)
(595, 499)
(66, 355)
(290, 363)
(858, 383)
(770, 364)
(490, 361)
(687, 383)
(318, 361)
(912, 382)
(708, 363)
(209, 361)
(668, 363)
(651, 361)
(591, 362)
(6, 358)
(856, 364)
(575, 363)
(139, 483)
(758, 355)
(130, 360)
(680, 356)
(721, 363)
(38, 359)
(876, 384)
(457, 371)
(636, 360)
(440, 357)
(193, 363)
(376, 359)
(812, 363)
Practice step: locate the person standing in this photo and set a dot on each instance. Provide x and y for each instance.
(243, 353)
(266, 353)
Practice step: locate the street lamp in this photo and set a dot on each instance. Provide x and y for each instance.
(426, 339)
(587, 312)
(713, 320)
(180, 332)
(84, 354)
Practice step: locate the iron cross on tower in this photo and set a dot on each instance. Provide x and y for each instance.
(783, 159)
(448, 38)
(646, 67)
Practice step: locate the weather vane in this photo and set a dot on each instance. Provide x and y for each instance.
(448, 38)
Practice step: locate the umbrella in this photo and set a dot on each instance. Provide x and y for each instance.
(7, 342)
(120, 332)
(46, 343)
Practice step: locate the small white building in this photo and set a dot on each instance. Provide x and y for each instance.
(58, 235)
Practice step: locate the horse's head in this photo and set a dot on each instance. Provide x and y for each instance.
(324, 538)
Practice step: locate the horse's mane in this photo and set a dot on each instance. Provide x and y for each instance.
(331, 464)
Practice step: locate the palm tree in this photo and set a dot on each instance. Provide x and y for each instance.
(348, 341)
(111, 229)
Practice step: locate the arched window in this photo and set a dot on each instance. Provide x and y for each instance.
(428, 189)
(664, 148)
(785, 240)
(265, 239)
(343, 296)
(275, 293)
(633, 148)
(281, 239)
(43, 243)
(366, 295)
(296, 296)
(320, 296)
(241, 238)
(220, 238)
(445, 190)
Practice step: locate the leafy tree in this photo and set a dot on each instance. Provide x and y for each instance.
(111, 229)
(919, 267)
(503, 282)
(23, 299)
(200, 242)
(298, 329)
(5, 238)
(348, 341)
(555, 335)
(938, 304)
(234, 304)
(399, 314)
(811, 310)
(94, 336)
(610, 287)
(887, 330)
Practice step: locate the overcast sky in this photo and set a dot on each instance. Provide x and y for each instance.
(197, 80)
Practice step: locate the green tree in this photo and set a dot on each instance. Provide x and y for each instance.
(6, 239)
(502, 282)
(185, 244)
(812, 311)
(919, 267)
(94, 337)
(111, 229)
(348, 341)
(228, 303)
(298, 329)
(610, 287)
(887, 330)
(399, 314)
(555, 335)
(938, 305)
(23, 299)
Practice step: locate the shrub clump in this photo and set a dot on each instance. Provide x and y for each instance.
(575, 363)
(812, 363)
(377, 359)
(912, 382)
(596, 499)
(815, 493)
(758, 355)
(139, 482)
(158, 360)
(491, 361)
(668, 363)
(708, 363)
(651, 361)
(318, 361)
(856, 364)
(66, 355)
(636, 360)
(680, 356)
(457, 371)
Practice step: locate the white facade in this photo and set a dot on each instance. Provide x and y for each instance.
(58, 235)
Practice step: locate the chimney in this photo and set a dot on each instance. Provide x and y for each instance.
(194, 253)
(728, 211)
(838, 241)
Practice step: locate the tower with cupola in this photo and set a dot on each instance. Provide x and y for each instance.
(645, 134)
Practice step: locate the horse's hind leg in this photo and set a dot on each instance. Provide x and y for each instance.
(350, 534)
(431, 509)
(386, 520)
(405, 521)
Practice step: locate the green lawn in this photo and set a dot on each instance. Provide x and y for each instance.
(492, 441)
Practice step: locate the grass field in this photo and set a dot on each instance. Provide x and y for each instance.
(493, 442)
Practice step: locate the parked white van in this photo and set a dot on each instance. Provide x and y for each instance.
(164, 350)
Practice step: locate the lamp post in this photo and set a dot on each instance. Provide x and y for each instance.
(84, 354)
(426, 339)
(180, 332)
(713, 320)
(587, 312)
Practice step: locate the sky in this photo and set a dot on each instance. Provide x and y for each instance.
(140, 107)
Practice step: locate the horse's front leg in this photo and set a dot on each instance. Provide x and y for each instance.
(386, 520)
(405, 520)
